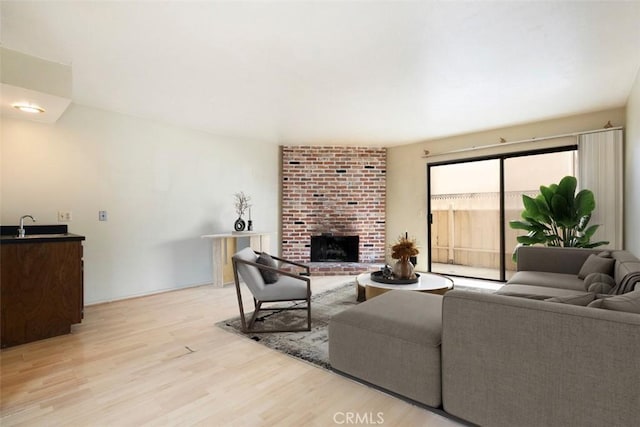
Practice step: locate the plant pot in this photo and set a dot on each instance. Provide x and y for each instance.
(403, 269)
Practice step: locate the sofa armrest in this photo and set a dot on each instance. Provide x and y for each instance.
(514, 361)
(552, 260)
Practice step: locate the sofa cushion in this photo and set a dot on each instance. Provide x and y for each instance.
(599, 282)
(600, 288)
(596, 264)
(268, 275)
(392, 341)
(577, 299)
(629, 302)
(537, 292)
(546, 279)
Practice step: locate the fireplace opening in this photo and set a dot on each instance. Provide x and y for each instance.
(335, 248)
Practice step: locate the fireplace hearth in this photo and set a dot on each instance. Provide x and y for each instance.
(335, 248)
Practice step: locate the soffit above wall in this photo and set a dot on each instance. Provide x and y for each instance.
(33, 81)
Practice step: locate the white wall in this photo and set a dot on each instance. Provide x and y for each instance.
(632, 172)
(162, 186)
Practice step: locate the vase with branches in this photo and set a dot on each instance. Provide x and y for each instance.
(242, 205)
(402, 250)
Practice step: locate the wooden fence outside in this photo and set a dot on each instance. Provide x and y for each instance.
(471, 238)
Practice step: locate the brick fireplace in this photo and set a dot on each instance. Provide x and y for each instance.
(333, 191)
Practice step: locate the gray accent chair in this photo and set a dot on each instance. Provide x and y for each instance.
(290, 286)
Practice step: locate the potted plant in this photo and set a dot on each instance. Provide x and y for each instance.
(558, 217)
(404, 249)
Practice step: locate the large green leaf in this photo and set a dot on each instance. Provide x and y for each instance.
(535, 224)
(530, 206)
(596, 244)
(589, 232)
(527, 240)
(560, 209)
(567, 189)
(547, 193)
(543, 207)
(520, 225)
(585, 203)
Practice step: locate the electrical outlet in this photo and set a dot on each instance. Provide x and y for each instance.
(102, 215)
(64, 216)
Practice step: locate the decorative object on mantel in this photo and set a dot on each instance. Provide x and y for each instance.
(402, 251)
(242, 204)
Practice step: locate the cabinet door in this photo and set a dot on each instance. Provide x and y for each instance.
(41, 286)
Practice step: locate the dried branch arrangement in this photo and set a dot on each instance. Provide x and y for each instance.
(242, 203)
(404, 248)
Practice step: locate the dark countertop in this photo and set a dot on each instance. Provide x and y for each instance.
(37, 234)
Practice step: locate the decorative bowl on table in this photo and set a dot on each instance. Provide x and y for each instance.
(377, 276)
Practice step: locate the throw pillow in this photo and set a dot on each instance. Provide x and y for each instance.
(268, 276)
(596, 264)
(578, 299)
(605, 254)
(629, 302)
(605, 282)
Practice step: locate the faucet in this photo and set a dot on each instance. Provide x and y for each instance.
(21, 229)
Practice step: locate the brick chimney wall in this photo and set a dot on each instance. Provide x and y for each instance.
(337, 190)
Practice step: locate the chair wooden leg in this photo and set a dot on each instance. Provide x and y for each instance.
(240, 306)
(255, 314)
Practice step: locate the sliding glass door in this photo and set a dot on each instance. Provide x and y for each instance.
(471, 203)
(465, 208)
(524, 175)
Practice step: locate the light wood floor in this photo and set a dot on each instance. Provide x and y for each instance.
(160, 360)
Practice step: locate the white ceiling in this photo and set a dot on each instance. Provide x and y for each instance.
(324, 72)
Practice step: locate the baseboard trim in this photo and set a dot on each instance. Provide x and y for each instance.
(146, 294)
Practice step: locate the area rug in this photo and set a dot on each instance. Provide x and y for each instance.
(312, 346)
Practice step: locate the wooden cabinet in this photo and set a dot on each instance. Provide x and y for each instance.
(41, 290)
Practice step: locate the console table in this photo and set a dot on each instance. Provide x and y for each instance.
(224, 246)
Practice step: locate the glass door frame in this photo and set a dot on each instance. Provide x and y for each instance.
(502, 214)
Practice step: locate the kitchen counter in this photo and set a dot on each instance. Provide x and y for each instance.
(38, 234)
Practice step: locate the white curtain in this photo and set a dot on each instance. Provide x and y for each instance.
(600, 169)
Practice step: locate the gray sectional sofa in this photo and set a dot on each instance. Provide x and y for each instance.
(534, 354)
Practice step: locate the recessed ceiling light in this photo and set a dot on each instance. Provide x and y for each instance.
(29, 108)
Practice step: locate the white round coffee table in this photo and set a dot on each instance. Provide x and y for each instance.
(427, 282)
